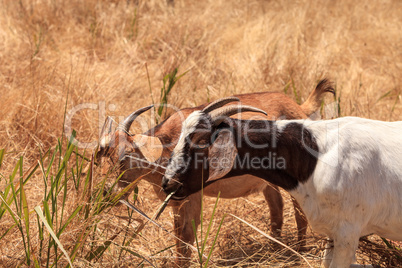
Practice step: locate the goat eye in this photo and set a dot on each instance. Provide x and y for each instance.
(202, 146)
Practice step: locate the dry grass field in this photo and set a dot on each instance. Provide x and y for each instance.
(94, 58)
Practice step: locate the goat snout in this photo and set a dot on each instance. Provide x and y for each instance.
(171, 186)
(165, 182)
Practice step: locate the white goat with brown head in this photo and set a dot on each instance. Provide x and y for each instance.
(133, 153)
(345, 173)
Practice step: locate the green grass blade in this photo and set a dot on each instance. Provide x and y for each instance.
(52, 159)
(5, 203)
(197, 245)
(37, 265)
(72, 216)
(47, 213)
(62, 228)
(63, 204)
(75, 180)
(297, 96)
(82, 156)
(286, 88)
(386, 242)
(82, 238)
(2, 151)
(39, 212)
(8, 208)
(63, 165)
(168, 83)
(41, 237)
(25, 213)
(8, 230)
(383, 96)
(215, 239)
(26, 177)
(138, 255)
(210, 223)
(49, 223)
(101, 249)
(30, 172)
(395, 103)
(150, 88)
(87, 192)
(114, 199)
(164, 204)
(14, 198)
(154, 222)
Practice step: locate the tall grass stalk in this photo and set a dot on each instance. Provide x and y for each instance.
(292, 84)
(61, 173)
(168, 83)
(201, 245)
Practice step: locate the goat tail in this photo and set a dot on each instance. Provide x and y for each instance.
(313, 102)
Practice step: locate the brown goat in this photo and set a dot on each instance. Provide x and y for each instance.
(156, 146)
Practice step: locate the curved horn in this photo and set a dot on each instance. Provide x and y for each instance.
(219, 115)
(126, 124)
(219, 103)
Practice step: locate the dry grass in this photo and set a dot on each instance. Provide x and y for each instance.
(98, 52)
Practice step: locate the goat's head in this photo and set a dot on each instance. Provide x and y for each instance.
(204, 152)
(121, 152)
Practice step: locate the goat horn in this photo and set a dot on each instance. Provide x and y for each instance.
(126, 124)
(219, 103)
(219, 115)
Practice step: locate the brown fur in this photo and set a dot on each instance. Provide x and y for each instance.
(314, 100)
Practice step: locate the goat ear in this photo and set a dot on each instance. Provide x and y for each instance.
(221, 156)
(107, 126)
(105, 133)
(150, 147)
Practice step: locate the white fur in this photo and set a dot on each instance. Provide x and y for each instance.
(356, 187)
(104, 141)
(188, 127)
